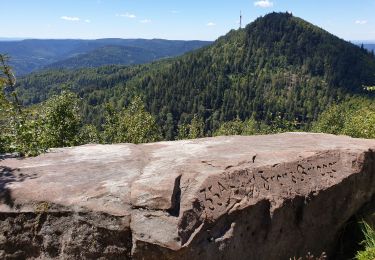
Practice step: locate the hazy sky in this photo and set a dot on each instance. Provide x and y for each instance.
(173, 19)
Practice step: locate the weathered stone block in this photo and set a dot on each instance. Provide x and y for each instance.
(258, 197)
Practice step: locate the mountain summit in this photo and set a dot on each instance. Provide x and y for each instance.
(278, 67)
(291, 41)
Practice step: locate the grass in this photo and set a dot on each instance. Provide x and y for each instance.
(368, 243)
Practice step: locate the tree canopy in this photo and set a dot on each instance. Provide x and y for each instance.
(278, 74)
(279, 68)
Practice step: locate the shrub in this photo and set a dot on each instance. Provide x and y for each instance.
(60, 121)
(355, 118)
(369, 243)
(193, 130)
(89, 135)
(360, 124)
(131, 125)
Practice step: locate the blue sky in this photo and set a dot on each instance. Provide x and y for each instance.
(173, 19)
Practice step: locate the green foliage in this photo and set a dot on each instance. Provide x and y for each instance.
(235, 127)
(183, 131)
(193, 130)
(32, 55)
(136, 125)
(111, 125)
(355, 117)
(121, 55)
(280, 125)
(132, 125)
(53, 124)
(310, 256)
(4, 135)
(7, 107)
(25, 134)
(60, 121)
(238, 127)
(368, 243)
(332, 120)
(368, 254)
(33, 130)
(252, 127)
(279, 69)
(4, 141)
(196, 128)
(89, 134)
(57, 123)
(361, 124)
(4, 144)
(369, 88)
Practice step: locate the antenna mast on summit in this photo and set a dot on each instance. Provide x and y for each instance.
(241, 19)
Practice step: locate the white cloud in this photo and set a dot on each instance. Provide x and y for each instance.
(361, 22)
(145, 21)
(175, 12)
(127, 15)
(263, 3)
(71, 19)
(87, 21)
(211, 24)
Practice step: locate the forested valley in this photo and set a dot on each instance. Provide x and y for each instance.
(278, 74)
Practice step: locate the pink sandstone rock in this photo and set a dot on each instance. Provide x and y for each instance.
(258, 197)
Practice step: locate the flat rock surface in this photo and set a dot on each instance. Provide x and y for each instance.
(170, 191)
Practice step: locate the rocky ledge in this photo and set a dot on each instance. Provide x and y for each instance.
(259, 197)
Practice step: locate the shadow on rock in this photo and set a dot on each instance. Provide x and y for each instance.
(7, 176)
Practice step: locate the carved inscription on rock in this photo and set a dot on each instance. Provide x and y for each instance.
(240, 188)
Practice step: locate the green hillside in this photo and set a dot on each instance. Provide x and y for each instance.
(33, 55)
(279, 67)
(369, 46)
(108, 55)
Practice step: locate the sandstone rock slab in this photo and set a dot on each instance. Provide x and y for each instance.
(258, 197)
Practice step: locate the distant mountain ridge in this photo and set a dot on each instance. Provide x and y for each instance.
(108, 55)
(279, 67)
(31, 55)
(369, 46)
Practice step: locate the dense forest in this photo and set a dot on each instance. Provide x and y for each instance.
(278, 74)
(114, 55)
(33, 55)
(369, 46)
(279, 70)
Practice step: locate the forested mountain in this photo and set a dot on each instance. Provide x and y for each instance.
(369, 46)
(279, 67)
(108, 55)
(31, 55)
